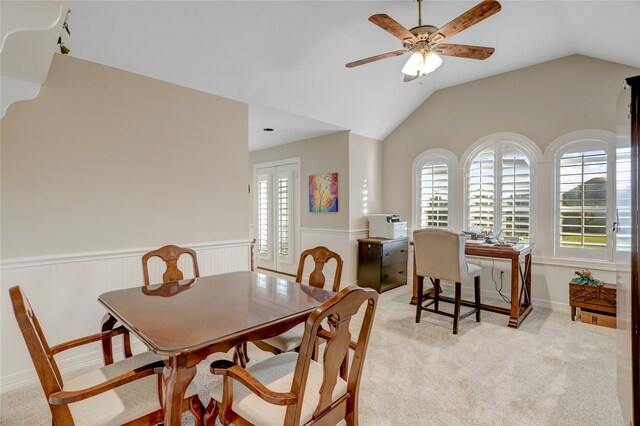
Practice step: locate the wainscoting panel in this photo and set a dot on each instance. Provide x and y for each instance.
(63, 292)
(354, 236)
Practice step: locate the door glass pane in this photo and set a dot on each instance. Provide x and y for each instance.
(263, 216)
(283, 216)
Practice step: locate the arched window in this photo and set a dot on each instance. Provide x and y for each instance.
(432, 177)
(584, 200)
(499, 176)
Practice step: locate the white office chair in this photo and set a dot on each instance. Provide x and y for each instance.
(439, 255)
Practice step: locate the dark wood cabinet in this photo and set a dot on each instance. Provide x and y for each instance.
(382, 264)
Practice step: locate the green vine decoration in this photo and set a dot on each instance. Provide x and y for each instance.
(65, 25)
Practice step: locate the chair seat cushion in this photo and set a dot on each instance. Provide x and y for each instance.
(122, 404)
(276, 373)
(473, 270)
(287, 341)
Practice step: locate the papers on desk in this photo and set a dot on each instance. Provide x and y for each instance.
(482, 241)
(497, 245)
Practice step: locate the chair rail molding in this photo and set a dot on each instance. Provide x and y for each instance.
(64, 291)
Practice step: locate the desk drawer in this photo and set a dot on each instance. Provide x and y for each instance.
(394, 252)
(393, 274)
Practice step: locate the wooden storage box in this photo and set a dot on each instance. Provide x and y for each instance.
(598, 318)
(601, 299)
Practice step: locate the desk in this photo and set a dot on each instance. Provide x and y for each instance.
(197, 317)
(520, 279)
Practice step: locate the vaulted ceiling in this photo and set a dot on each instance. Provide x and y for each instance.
(286, 58)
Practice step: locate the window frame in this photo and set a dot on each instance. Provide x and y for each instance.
(581, 141)
(424, 158)
(498, 141)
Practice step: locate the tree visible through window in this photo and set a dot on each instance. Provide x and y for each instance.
(583, 199)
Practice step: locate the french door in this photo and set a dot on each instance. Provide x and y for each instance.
(276, 189)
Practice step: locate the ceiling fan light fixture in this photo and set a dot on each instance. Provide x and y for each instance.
(422, 62)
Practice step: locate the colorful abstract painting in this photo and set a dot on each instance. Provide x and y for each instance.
(323, 193)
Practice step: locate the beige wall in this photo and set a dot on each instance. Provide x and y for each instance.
(324, 154)
(365, 165)
(541, 102)
(104, 159)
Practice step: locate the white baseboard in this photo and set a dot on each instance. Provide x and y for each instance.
(491, 296)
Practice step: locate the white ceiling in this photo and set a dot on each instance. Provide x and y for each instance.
(286, 58)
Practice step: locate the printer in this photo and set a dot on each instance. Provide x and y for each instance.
(387, 226)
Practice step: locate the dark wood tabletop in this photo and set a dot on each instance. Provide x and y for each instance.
(188, 320)
(191, 314)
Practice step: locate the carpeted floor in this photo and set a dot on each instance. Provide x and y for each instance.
(551, 371)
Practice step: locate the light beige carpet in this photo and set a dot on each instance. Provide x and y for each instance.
(551, 371)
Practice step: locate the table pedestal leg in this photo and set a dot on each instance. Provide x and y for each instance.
(175, 378)
(107, 324)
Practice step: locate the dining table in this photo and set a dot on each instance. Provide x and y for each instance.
(185, 321)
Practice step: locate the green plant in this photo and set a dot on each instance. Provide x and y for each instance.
(65, 25)
(585, 276)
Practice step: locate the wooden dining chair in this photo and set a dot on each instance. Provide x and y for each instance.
(127, 391)
(170, 255)
(291, 339)
(439, 255)
(293, 389)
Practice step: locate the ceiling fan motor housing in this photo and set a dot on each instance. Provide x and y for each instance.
(422, 33)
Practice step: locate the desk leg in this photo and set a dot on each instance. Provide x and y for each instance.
(515, 299)
(520, 300)
(175, 378)
(527, 278)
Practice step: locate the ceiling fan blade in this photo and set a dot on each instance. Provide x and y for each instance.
(408, 78)
(391, 26)
(376, 58)
(467, 19)
(464, 51)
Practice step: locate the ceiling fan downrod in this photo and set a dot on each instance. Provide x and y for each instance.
(419, 13)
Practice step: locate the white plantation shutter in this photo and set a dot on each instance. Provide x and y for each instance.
(499, 190)
(623, 199)
(516, 193)
(263, 215)
(481, 190)
(284, 214)
(583, 199)
(434, 195)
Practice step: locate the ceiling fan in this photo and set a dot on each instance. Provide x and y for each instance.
(425, 41)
